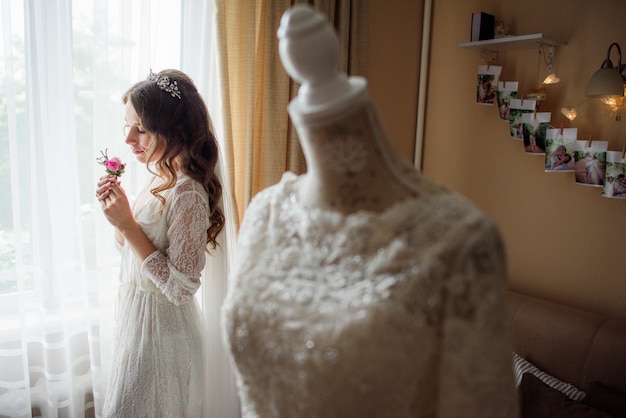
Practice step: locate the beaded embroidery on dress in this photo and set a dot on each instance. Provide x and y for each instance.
(392, 314)
(157, 364)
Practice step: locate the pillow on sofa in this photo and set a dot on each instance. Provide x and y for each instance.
(539, 400)
(608, 399)
(522, 366)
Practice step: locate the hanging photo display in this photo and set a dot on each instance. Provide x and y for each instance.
(593, 165)
(488, 76)
(560, 149)
(507, 90)
(518, 107)
(590, 162)
(615, 175)
(535, 125)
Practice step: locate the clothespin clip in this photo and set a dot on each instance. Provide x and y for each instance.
(589, 143)
(561, 128)
(623, 151)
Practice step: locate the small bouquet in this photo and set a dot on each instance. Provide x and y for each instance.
(113, 165)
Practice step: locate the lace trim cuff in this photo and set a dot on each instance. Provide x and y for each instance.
(176, 287)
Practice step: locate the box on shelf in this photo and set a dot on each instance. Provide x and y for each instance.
(482, 26)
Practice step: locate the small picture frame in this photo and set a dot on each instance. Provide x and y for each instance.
(590, 162)
(487, 85)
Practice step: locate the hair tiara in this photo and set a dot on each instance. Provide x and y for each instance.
(164, 84)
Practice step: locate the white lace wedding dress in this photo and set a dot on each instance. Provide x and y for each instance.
(392, 314)
(157, 363)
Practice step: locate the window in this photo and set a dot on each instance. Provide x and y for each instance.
(63, 68)
(62, 72)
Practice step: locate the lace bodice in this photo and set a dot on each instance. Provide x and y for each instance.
(179, 231)
(395, 314)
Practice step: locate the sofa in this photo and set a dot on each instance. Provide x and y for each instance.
(565, 348)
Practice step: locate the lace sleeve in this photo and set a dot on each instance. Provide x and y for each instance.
(176, 272)
(476, 375)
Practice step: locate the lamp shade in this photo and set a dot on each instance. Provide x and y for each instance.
(607, 81)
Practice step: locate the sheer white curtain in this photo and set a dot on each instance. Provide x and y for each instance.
(63, 67)
(199, 34)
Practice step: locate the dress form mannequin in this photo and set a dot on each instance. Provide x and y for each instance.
(361, 288)
(350, 163)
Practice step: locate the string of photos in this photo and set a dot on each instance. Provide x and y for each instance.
(592, 163)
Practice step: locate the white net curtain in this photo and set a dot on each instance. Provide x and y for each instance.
(63, 68)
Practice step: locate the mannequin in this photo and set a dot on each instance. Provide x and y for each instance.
(361, 288)
(345, 149)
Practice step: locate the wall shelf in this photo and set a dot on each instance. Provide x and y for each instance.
(513, 42)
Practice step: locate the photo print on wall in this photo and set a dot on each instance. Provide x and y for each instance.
(518, 107)
(559, 149)
(507, 90)
(535, 126)
(487, 86)
(615, 177)
(590, 162)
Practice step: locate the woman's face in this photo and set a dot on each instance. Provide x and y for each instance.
(140, 140)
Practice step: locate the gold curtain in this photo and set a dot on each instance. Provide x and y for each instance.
(259, 142)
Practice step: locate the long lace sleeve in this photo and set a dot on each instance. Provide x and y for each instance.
(176, 271)
(476, 378)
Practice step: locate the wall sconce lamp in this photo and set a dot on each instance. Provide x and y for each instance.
(608, 80)
(615, 103)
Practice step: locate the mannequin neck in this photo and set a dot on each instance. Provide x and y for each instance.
(346, 170)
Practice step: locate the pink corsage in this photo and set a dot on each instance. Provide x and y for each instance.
(113, 165)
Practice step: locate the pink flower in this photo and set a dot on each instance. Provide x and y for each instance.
(113, 166)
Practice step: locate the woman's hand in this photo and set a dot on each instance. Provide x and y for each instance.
(104, 185)
(114, 203)
(116, 209)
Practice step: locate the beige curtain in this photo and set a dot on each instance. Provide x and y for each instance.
(259, 143)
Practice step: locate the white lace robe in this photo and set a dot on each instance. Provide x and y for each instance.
(157, 363)
(397, 314)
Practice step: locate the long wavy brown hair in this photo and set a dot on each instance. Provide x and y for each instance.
(190, 145)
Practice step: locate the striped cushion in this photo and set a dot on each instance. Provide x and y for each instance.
(521, 366)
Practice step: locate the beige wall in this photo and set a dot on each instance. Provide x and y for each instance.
(564, 241)
(393, 71)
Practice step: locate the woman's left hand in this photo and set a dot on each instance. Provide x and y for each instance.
(115, 206)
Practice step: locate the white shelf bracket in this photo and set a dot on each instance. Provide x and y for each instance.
(548, 55)
(493, 60)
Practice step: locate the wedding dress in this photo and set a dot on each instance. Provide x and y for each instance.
(397, 314)
(157, 363)
(397, 310)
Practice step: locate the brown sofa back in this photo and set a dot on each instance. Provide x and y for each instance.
(576, 346)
